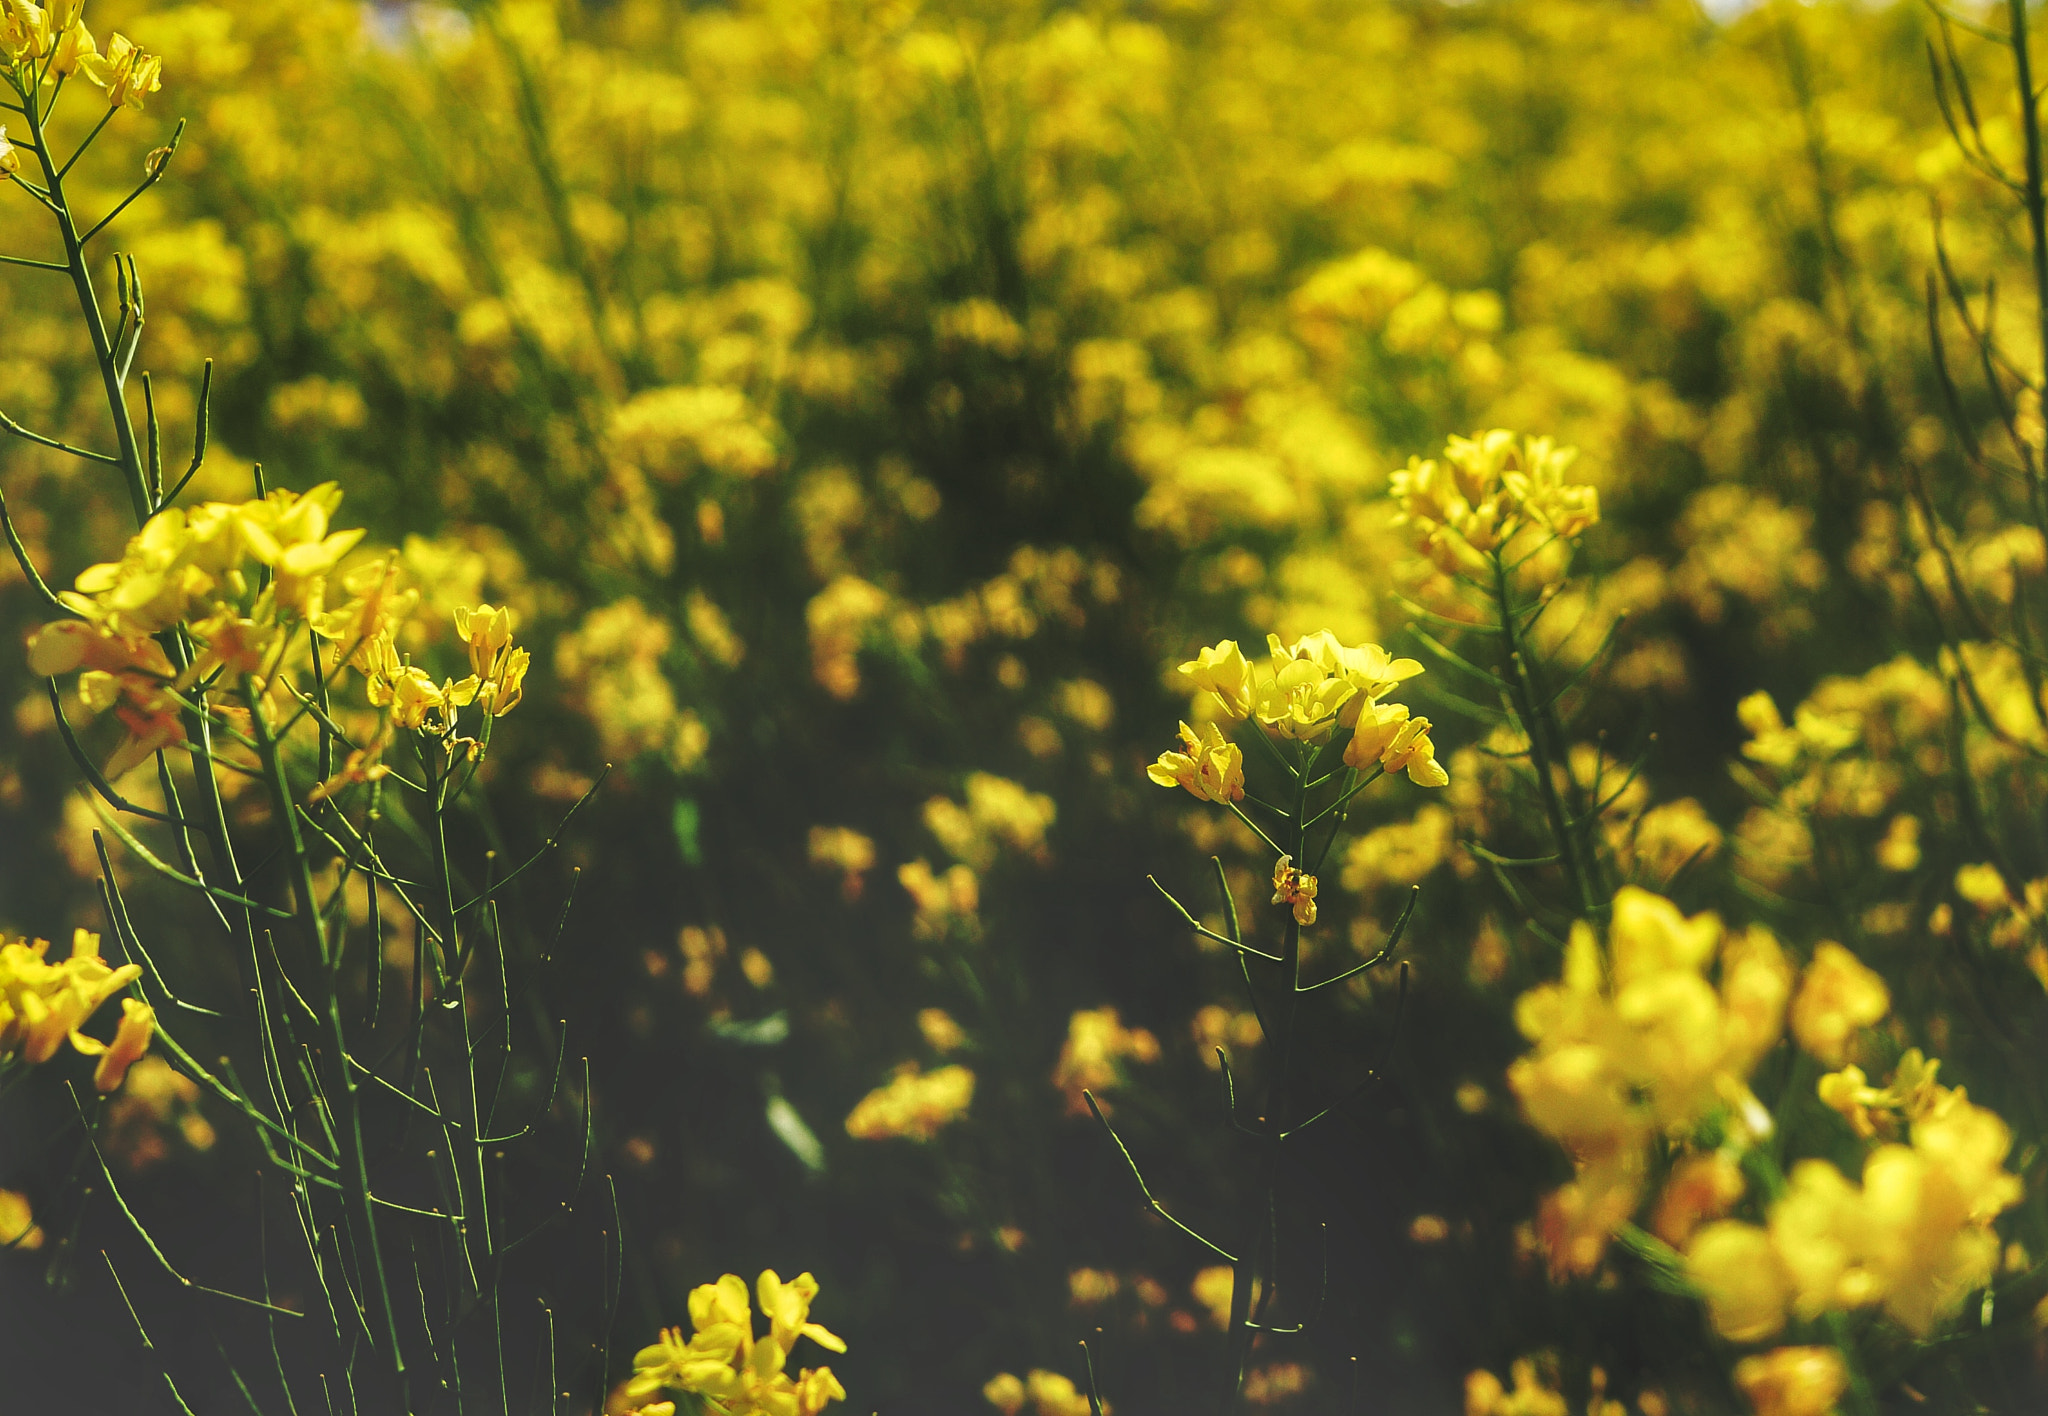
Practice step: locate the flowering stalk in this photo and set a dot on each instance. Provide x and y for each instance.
(1318, 707)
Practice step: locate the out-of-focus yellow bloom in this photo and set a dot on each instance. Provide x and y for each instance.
(1487, 490)
(997, 813)
(1793, 1381)
(941, 1033)
(1211, 766)
(1700, 1188)
(1741, 1277)
(1983, 885)
(10, 160)
(1223, 671)
(18, 1227)
(126, 71)
(846, 850)
(1638, 1041)
(1837, 995)
(1005, 1392)
(735, 1372)
(1295, 890)
(1055, 1395)
(1899, 851)
(944, 903)
(1531, 1395)
(912, 1105)
(1097, 1042)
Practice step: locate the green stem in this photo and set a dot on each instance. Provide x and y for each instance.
(96, 326)
(340, 1083)
(1521, 691)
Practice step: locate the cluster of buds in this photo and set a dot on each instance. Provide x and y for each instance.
(42, 1004)
(1486, 491)
(726, 1365)
(41, 42)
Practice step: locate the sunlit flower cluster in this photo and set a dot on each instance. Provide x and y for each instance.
(727, 1366)
(43, 1004)
(1635, 1042)
(1485, 492)
(1306, 692)
(1914, 1237)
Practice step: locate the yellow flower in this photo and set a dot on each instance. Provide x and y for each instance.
(1295, 890)
(1373, 732)
(131, 1040)
(486, 632)
(74, 47)
(1837, 995)
(126, 71)
(41, 1003)
(10, 160)
(723, 1361)
(1223, 671)
(1793, 1381)
(1302, 696)
(1210, 767)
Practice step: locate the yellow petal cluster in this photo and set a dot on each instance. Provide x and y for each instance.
(1635, 1040)
(42, 1004)
(1488, 489)
(914, 1105)
(723, 1362)
(1914, 1238)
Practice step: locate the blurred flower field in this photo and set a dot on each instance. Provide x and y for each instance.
(613, 602)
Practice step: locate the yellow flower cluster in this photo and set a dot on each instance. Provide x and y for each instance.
(1488, 489)
(915, 1105)
(1914, 1238)
(1634, 1042)
(42, 1004)
(243, 579)
(723, 1363)
(1308, 690)
(56, 31)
